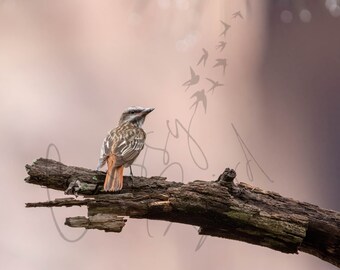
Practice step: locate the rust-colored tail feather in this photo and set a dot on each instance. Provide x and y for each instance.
(114, 176)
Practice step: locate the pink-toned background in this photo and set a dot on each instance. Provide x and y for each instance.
(68, 69)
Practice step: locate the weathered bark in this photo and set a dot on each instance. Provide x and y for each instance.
(220, 208)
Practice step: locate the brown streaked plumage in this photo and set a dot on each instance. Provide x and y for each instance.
(122, 146)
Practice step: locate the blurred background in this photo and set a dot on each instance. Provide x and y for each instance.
(69, 68)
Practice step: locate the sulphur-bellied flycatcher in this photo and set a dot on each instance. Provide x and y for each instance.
(122, 146)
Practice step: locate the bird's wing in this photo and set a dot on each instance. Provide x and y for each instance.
(226, 26)
(196, 94)
(201, 59)
(192, 72)
(217, 63)
(105, 149)
(128, 146)
(186, 83)
(210, 80)
(205, 104)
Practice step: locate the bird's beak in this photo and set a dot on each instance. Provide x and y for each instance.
(147, 111)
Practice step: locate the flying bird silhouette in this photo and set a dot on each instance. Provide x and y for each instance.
(221, 62)
(200, 98)
(214, 85)
(237, 14)
(193, 80)
(226, 27)
(204, 57)
(221, 45)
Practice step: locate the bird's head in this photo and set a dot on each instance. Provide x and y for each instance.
(135, 115)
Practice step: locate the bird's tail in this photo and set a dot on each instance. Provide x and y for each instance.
(114, 176)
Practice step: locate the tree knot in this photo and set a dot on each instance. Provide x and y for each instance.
(227, 176)
(73, 188)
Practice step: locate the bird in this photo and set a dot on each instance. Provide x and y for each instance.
(214, 85)
(193, 80)
(200, 97)
(237, 14)
(204, 57)
(221, 62)
(122, 146)
(221, 45)
(226, 27)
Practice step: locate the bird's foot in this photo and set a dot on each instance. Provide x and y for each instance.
(97, 189)
(131, 174)
(132, 180)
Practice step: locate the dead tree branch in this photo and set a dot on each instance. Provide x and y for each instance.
(220, 208)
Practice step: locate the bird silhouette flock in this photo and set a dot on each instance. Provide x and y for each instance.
(221, 63)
